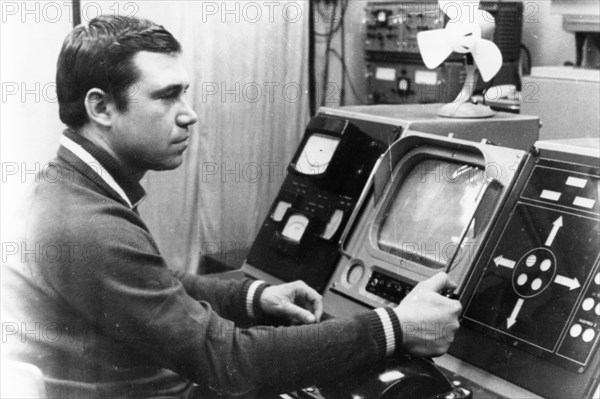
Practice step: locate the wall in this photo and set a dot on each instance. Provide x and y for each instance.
(31, 35)
(544, 36)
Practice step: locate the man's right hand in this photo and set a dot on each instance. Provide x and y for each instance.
(428, 319)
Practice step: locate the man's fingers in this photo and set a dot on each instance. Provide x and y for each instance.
(296, 312)
(439, 282)
(309, 297)
(304, 290)
(318, 310)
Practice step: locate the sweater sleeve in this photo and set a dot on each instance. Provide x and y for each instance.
(125, 290)
(236, 300)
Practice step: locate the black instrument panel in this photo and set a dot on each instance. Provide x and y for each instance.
(535, 309)
(299, 238)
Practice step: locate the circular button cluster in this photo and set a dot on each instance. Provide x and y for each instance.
(534, 272)
(577, 330)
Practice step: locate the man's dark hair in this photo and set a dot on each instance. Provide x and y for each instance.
(99, 55)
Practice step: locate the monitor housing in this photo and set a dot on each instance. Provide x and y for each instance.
(434, 201)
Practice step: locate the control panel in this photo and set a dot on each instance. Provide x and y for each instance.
(403, 83)
(545, 268)
(388, 288)
(393, 27)
(299, 237)
(538, 297)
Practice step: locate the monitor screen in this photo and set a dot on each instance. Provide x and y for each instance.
(429, 210)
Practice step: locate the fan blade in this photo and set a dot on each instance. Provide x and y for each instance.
(433, 47)
(459, 10)
(488, 58)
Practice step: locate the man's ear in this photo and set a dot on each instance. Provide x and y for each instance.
(99, 106)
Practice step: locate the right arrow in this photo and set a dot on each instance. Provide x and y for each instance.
(502, 261)
(513, 316)
(572, 283)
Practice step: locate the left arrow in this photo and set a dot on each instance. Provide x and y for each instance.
(502, 261)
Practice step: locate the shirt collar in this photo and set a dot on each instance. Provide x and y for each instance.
(120, 179)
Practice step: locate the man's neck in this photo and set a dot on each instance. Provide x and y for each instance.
(100, 138)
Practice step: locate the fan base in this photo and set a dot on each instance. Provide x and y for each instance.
(466, 110)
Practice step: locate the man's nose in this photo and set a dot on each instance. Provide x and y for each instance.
(187, 117)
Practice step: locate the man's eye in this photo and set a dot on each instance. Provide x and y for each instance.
(168, 96)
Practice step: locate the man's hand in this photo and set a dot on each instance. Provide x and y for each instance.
(428, 319)
(295, 301)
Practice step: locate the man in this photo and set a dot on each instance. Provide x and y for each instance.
(114, 320)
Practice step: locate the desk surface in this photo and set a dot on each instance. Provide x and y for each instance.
(482, 383)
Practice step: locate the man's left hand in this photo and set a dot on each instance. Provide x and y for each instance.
(295, 301)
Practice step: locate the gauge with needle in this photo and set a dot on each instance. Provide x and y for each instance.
(295, 227)
(316, 154)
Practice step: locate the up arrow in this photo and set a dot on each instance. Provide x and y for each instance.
(555, 226)
(572, 283)
(502, 261)
(513, 316)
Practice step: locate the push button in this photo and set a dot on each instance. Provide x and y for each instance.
(576, 330)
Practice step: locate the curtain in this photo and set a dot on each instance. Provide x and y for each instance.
(247, 64)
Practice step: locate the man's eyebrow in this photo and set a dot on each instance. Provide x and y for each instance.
(173, 88)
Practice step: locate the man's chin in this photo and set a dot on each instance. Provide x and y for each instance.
(170, 165)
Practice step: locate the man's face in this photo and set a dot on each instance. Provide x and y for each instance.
(152, 133)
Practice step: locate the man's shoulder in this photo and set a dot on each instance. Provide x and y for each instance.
(66, 203)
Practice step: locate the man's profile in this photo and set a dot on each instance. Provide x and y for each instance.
(118, 322)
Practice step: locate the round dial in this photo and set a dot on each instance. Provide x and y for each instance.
(316, 154)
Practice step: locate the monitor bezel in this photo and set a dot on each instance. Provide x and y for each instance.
(414, 269)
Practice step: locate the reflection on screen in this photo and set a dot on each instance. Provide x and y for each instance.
(430, 209)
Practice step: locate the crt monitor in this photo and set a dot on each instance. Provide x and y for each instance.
(434, 200)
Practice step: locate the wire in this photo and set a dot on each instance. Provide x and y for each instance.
(325, 81)
(76, 4)
(345, 70)
(528, 53)
(312, 78)
(343, 6)
(336, 28)
(343, 58)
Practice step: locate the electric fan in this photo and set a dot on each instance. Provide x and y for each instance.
(466, 32)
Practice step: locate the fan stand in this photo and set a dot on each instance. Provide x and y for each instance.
(462, 107)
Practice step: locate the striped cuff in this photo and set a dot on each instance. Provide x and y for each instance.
(253, 294)
(388, 334)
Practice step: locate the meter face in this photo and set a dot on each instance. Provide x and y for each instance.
(316, 154)
(295, 227)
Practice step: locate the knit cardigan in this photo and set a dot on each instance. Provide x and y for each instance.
(89, 299)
